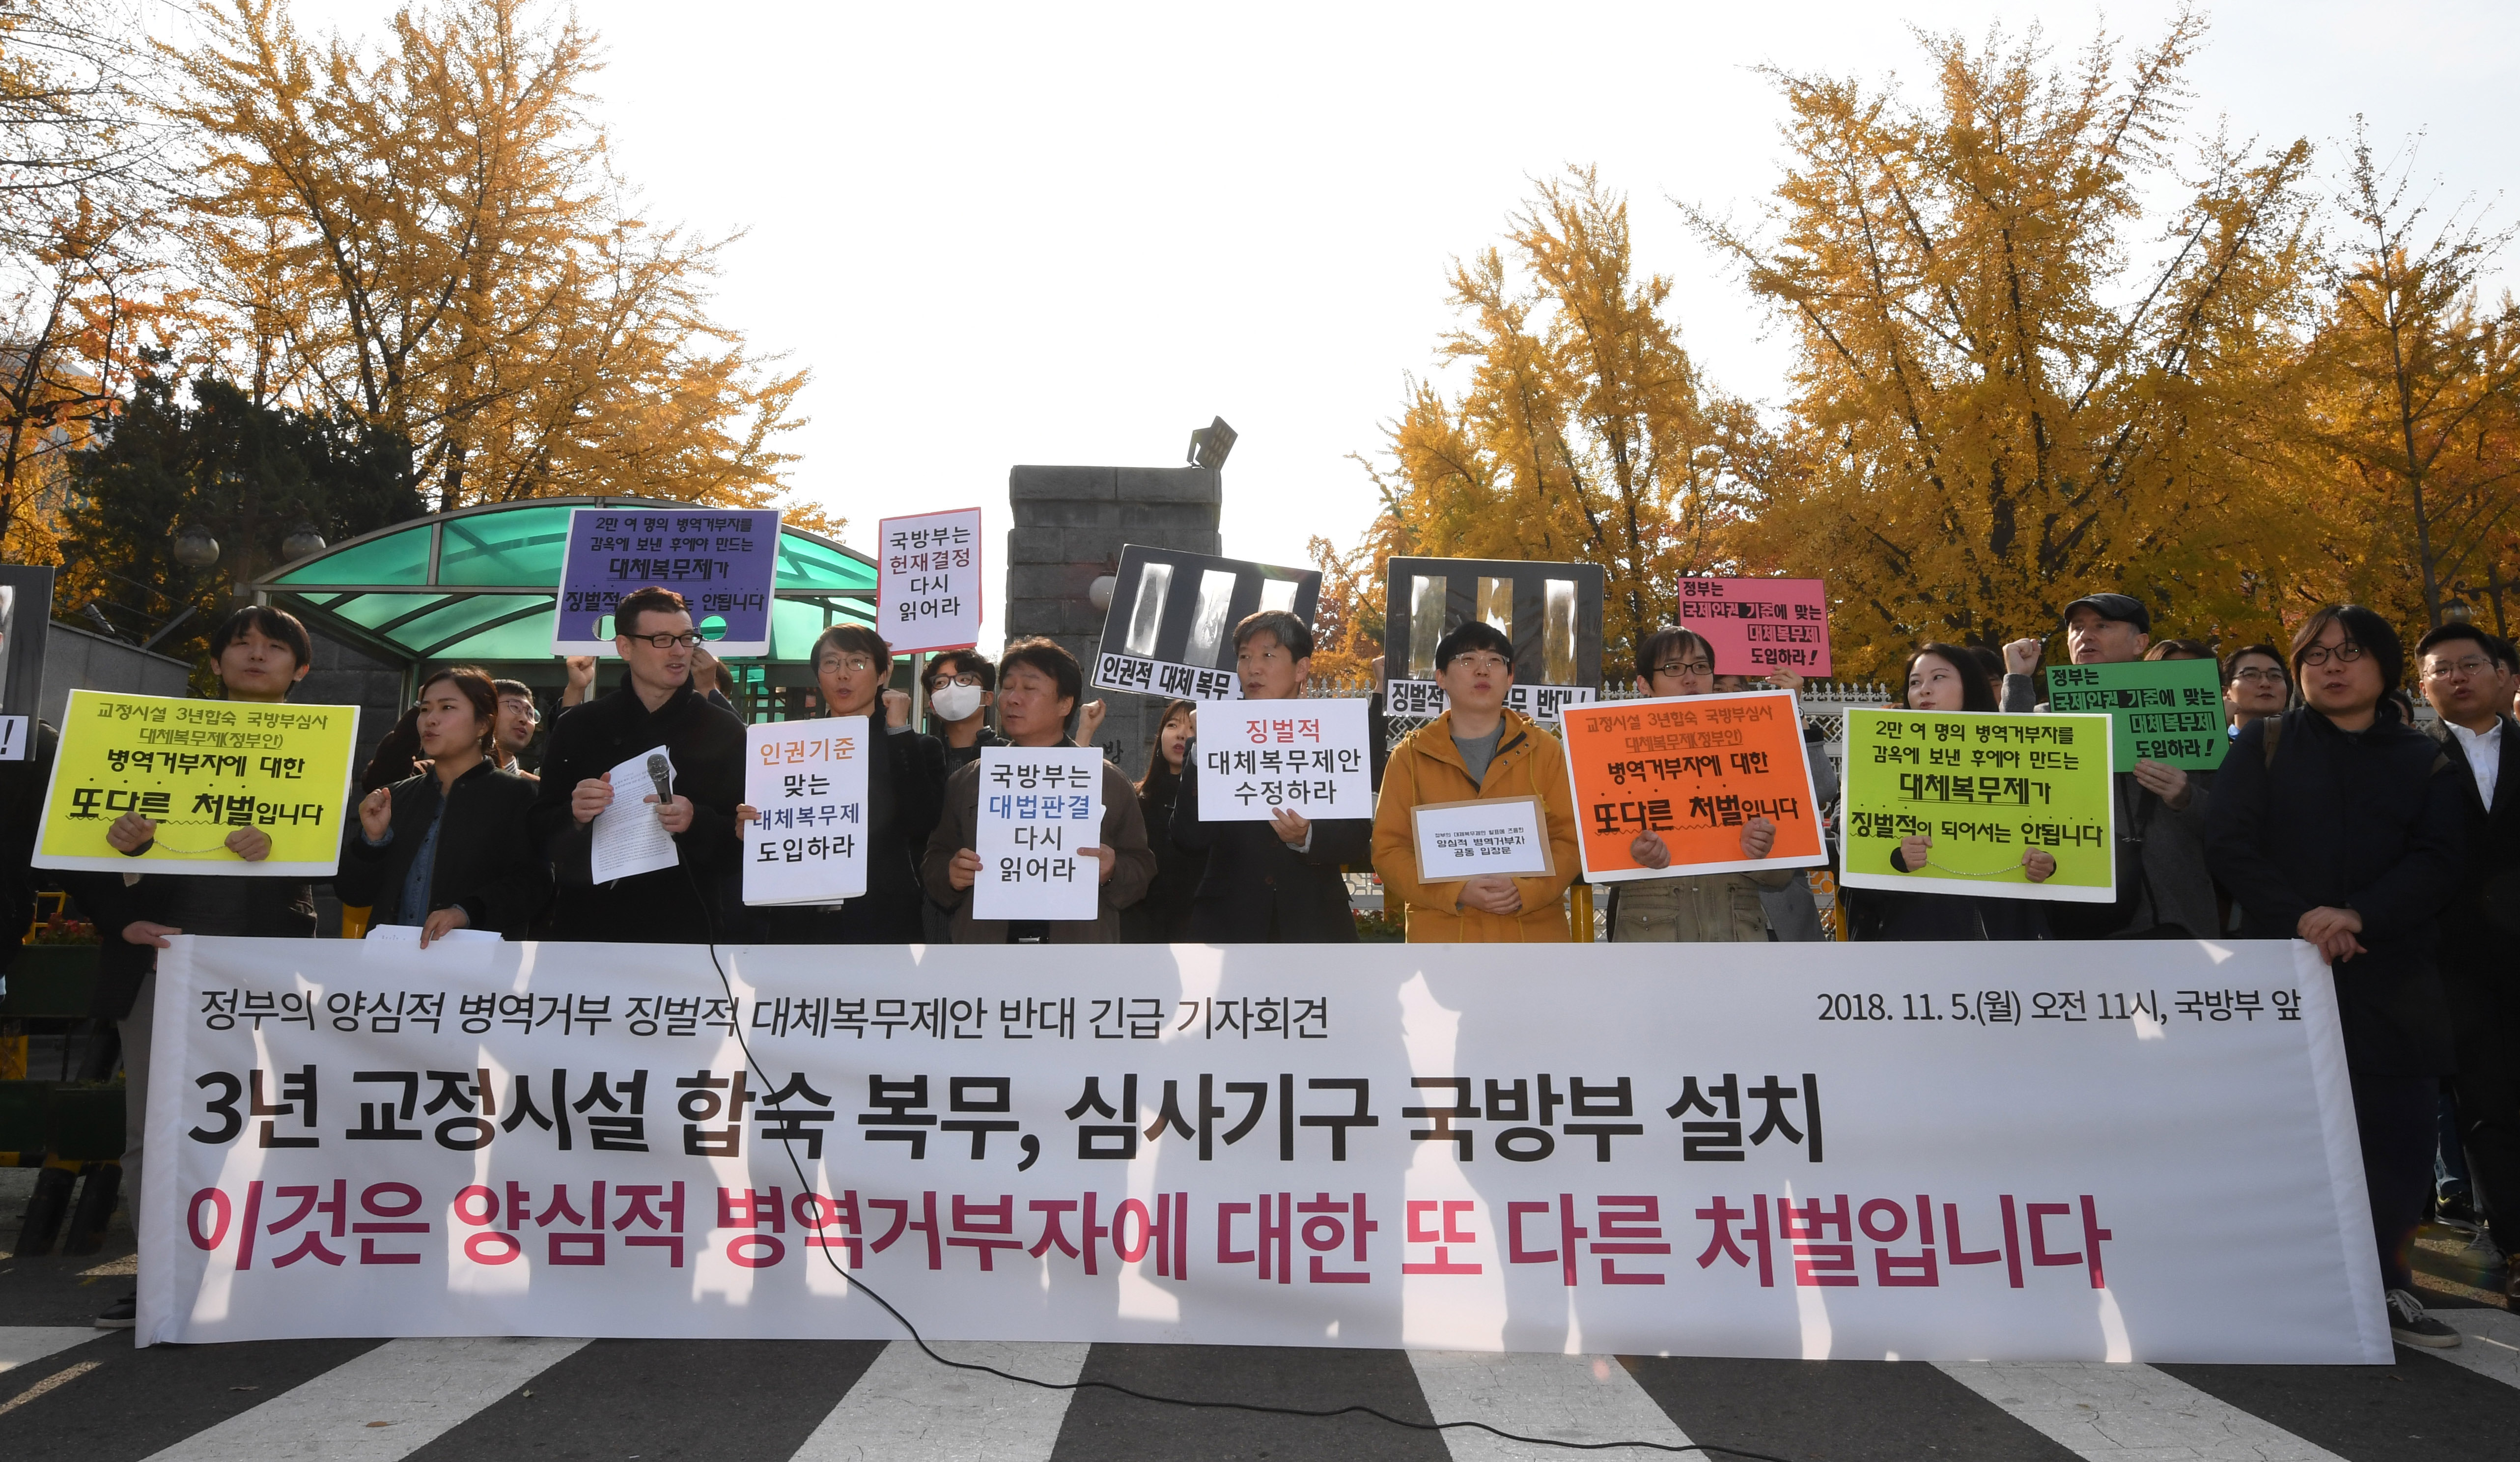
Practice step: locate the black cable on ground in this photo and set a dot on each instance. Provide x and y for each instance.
(806, 1185)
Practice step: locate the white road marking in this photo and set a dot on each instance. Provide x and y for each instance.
(908, 1408)
(2130, 1413)
(24, 1345)
(380, 1406)
(1563, 1398)
(2491, 1347)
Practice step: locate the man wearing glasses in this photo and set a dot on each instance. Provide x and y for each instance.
(2467, 676)
(2255, 685)
(654, 706)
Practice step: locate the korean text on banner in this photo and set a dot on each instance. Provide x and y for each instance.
(1169, 628)
(2167, 710)
(808, 781)
(1506, 836)
(200, 770)
(1759, 626)
(1307, 756)
(629, 836)
(725, 561)
(1038, 805)
(1986, 788)
(928, 582)
(1371, 1145)
(1694, 771)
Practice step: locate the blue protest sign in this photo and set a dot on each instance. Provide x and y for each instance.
(724, 560)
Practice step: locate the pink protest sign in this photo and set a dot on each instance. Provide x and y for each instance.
(1759, 626)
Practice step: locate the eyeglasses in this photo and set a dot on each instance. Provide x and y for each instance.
(666, 641)
(2261, 676)
(971, 678)
(1697, 669)
(854, 664)
(1488, 662)
(2346, 654)
(2474, 665)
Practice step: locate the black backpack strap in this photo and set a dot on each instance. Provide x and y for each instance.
(2275, 737)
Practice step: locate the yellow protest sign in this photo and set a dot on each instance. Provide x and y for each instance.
(200, 770)
(1986, 788)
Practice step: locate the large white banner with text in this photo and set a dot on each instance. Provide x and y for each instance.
(1920, 1151)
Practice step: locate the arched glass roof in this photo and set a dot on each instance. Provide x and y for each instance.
(479, 583)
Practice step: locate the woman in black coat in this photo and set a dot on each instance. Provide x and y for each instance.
(2339, 824)
(1162, 917)
(448, 848)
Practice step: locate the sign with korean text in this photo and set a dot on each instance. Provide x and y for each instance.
(199, 769)
(1759, 626)
(928, 582)
(1811, 1150)
(1306, 756)
(2167, 710)
(25, 623)
(1986, 788)
(1693, 772)
(1504, 835)
(1169, 631)
(1550, 612)
(725, 561)
(808, 781)
(1038, 805)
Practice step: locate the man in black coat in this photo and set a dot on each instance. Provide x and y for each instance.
(653, 707)
(2467, 676)
(1275, 882)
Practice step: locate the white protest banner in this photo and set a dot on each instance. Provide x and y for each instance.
(1308, 756)
(927, 581)
(1817, 1150)
(807, 779)
(629, 835)
(1501, 835)
(1038, 805)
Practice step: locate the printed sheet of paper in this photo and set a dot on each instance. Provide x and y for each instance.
(808, 780)
(2167, 710)
(1307, 756)
(1986, 788)
(1759, 626)
(1038, 805)
(1506, 834)
(629, 835)
(1693, 771)
(927, 581)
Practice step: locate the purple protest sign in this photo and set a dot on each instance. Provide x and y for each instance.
(724, 560)
(1759, 626)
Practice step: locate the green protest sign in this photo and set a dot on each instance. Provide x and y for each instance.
(1986, 790)
(2167, 710)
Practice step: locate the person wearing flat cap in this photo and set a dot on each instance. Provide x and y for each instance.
(2164, 890)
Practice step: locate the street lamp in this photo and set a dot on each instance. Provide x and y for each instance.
(195, 548)
(304, 542)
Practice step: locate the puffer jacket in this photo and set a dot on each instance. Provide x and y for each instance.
(1427, 769)
(1703, 908)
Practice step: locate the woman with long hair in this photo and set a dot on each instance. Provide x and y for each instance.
(1162, 917)
(447, 849)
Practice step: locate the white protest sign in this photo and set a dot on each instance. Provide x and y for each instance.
(1944, 1152)
(1038, 805)
(927, 581)
(1504, 834)
(629, 836)
(807, 779)
(1307, 756)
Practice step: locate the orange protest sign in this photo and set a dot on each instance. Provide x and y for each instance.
(1694, 771)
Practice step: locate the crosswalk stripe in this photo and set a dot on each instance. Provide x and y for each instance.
(24, 1345)
(378, 1406)
(908, 1408)
(1588, 1398)
(2119, 1413)
(2491, 1347)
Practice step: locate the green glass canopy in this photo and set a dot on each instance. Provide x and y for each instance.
(479, 583)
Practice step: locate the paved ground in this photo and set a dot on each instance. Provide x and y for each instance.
(72, 1393)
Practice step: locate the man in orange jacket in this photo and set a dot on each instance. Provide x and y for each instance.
(1479, 748)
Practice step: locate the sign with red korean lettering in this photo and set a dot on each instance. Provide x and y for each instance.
(927, 581)
(1808, 1150)
(1759, 626)
(1309, 757)
(1694, 771)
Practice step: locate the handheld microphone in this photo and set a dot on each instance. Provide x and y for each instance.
(661, 772)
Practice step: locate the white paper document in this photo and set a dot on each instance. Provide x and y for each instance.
(1507, 835)
(1307, 756)
(1037, 807)
(629, 836)
(808, 781)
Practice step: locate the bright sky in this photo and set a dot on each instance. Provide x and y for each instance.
(1070, 234)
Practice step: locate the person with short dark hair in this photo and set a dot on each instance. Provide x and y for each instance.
(962, 685)
(2339, 824)
(654, 706)
(2255, 685)
(520, 718)
(1479, 748)
(448, 848)
(1038, 683)
(2179, 650)
(1278, 882)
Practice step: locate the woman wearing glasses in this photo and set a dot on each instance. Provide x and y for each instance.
(2255, 685)
(905, 796)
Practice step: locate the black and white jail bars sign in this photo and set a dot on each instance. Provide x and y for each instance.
(1551, 612)
(1169, 631)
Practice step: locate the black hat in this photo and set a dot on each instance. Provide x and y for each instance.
(2118, 607)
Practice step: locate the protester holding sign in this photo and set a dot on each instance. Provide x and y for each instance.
(653, 716)
(2341, 825)
(449, 849)
(1038, 686)
(1275, 882)
(1479, 749)
(1162, 917)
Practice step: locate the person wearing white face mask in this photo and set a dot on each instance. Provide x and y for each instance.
(962, 686)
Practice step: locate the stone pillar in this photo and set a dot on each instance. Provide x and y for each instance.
(1069, 526)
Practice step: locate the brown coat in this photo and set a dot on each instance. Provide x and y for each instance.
(1124, 829)
(1427, 769)
(1700, 909)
